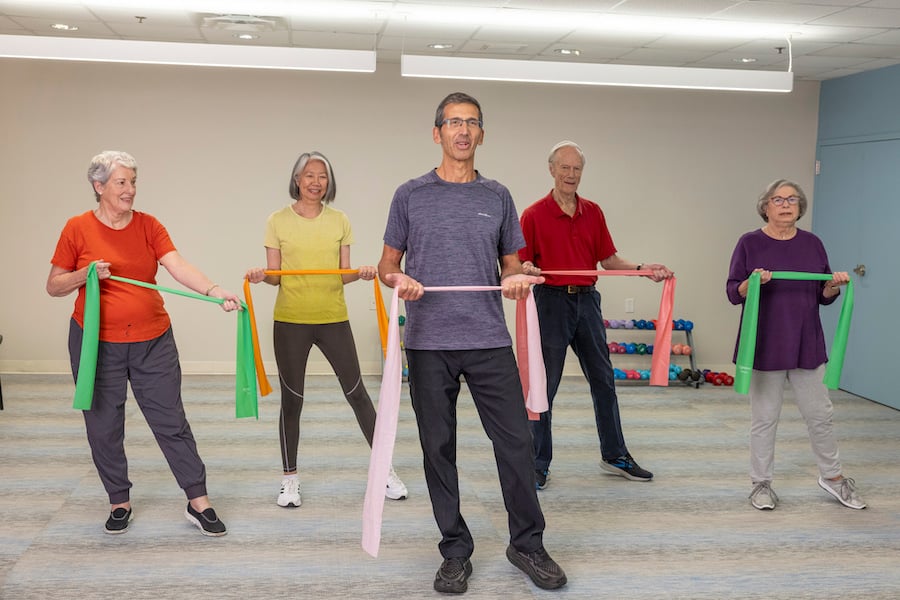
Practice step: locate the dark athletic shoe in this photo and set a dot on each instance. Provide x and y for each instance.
(540, 478)
(453, 576)
(207, 521)
(118, 520)
(626, 467)
(538, 565)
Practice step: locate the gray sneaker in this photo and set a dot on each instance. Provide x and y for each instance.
(763, 496)
(844, 490)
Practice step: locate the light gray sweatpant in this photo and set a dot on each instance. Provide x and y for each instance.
(766, 399)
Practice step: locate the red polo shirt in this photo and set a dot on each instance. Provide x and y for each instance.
(557, 242)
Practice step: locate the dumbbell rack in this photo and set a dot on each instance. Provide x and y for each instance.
(689, 338)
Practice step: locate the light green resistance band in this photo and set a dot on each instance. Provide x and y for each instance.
(245, 400)
(750, 320)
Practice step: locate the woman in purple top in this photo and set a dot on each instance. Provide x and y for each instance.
(790, 344)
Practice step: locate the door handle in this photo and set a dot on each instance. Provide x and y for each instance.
(860, 270)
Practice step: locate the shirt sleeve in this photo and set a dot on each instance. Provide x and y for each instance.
(737, 273)
(346, 230)
(527, 223)
(66, 254)
(511, 240)
(271, 239)
(396, 232)
(159, 238)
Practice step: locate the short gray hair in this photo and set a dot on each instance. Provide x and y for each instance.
(294, 189)
(565, 144)
(763, 200)
(456, 98)
(105, 163)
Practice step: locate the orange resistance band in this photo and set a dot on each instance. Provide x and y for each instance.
(380, 313)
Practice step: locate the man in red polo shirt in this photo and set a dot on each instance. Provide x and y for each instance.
(565, 232)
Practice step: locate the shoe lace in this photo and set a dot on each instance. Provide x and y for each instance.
(393, 481)
(452, 567)
(543, 560)
(764, 487)
(848, 488)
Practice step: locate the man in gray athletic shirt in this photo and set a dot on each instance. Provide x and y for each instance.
(455, 228)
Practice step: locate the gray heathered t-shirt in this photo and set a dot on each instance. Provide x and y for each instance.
(454, 234)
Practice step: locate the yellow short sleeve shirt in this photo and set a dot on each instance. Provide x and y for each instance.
(309, 244)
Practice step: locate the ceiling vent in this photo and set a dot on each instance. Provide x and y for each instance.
(242, 23)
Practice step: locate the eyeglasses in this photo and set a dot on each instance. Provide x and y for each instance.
(778, 200)
(456, 123)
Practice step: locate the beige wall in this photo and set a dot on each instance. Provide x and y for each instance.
(677, 173)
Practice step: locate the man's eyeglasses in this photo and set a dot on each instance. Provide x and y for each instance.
(778, 200)
(456, 123)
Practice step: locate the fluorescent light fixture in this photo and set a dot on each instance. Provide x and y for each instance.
(451, 67)
(444, 12)
(169, 53)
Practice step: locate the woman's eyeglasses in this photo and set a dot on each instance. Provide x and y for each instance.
(779, 200)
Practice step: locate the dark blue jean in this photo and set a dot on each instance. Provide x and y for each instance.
(576, 320)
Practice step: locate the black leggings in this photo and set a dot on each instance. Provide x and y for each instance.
(293, 341)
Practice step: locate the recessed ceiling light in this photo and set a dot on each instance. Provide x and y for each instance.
(568, 51)
(440, 46)
(246, 36)
(64, 27)
(744, 60)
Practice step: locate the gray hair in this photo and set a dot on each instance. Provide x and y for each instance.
(294, 189)
(105, 163)
(565, 144)
(763, 200)
(456, 98)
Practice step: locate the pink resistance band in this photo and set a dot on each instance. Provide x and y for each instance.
(662, 344)
(531, 374)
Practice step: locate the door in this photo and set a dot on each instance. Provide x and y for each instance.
(857, 216)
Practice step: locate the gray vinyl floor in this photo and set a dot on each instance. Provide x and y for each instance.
(690, 533)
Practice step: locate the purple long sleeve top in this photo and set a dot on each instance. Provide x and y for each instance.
(789, 334)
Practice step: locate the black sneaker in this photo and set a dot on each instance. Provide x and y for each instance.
(627, 468)
(538, 565)
(118, 520)
(540, 478)
(453, 576)
(207, 521)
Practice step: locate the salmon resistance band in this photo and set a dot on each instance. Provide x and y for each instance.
(531, 374)
(662, 344)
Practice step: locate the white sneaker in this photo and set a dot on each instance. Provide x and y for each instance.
(763, 496)
(395, 489)
(290, 492)
(844, 489)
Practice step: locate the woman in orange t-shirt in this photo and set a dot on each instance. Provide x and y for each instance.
(136, 341)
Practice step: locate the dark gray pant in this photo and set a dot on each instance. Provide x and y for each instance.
(293, 341)
(153, 369)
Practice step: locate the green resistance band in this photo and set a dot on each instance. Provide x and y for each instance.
(750, 320)
(245, 401)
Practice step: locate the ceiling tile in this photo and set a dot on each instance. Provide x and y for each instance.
(669, 8)
(862, 17)
(776, 12)
(861, 50)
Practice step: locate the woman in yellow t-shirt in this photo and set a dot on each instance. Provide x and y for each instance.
(310, 309)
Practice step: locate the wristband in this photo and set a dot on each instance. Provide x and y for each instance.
(210, 288)
(639, 267)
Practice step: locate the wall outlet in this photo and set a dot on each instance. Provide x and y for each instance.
(629, 305)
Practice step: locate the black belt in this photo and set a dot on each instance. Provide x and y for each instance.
(572, 289)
